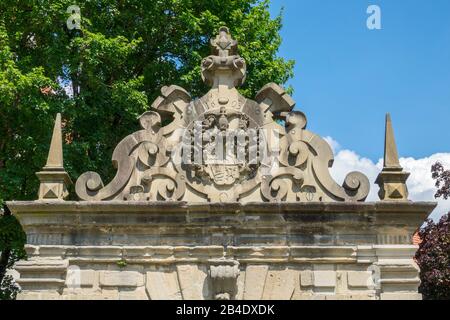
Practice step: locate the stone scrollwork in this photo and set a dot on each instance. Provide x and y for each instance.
(170, 187)
(223, 147)
(140, 150)
(293, 152)
(275, 189)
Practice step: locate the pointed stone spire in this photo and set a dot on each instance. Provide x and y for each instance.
(392, 179)
(55, 154)
(391, 159)
(54, 179)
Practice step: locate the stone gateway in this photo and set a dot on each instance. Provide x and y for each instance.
(232, 199)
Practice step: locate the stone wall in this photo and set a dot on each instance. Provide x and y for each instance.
(282, 273)
(219, 251)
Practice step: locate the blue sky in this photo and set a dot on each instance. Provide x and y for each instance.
(347, 76)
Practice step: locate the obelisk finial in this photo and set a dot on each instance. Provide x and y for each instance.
(392, 179)
(55, 154)
(391, 159)
(54, 179)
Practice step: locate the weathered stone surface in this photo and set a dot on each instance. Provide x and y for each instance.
(257, 224)
(325, 277)
(255, 279)
(308, 296)
(109, 294)
(359, 279)
(400, 296)
(341, 282)
(307, 278)
(241, 285)
(163, 284)
(280, 284)
(39, 295)
(192, 282)
(82, 278)
(89, 294)
(356, 296)
(133, 294)
(274, 276)
(121, 279)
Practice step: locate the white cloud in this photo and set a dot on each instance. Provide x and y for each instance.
(420, 184)
(335, 146)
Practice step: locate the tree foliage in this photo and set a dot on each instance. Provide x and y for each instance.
(12, 241)
(433, 256)
(442, 178)
(103, 76)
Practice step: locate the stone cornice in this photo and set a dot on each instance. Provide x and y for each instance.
(251, 224)
(170, 207)
(205, 254)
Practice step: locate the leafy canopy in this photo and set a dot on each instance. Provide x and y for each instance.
(433, 256)
(105, 75)
(12, 242)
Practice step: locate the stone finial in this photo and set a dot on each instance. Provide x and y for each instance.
(391, 159)
(392, 179)
(224, 45)
(224, 69)
(54, 179)
(55, 155)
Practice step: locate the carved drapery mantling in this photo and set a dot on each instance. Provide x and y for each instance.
(223, 147)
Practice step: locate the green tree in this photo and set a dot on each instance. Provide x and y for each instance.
(12, 241)
(433, 256)
(103, 76)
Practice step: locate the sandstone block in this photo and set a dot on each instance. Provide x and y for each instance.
(138, 294)
(324, 276)
(163, 285)
(307, 278)
(121, 279)
(240, 285)
(280, 285)
(401, 296)
(193, 284)
(255, 278)
(359, 279)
